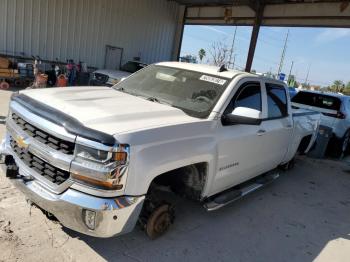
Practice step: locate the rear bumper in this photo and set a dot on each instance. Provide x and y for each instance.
(113, 216)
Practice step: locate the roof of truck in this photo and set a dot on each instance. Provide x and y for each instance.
(207, 69)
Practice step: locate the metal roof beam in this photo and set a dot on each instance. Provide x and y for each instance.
(299, 14)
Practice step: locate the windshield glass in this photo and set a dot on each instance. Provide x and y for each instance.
(193, 92)
(317, 100)
(132, 67)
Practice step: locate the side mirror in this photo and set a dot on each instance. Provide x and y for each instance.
(242, 116)
(122, 79)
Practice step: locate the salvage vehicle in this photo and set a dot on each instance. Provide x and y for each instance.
(335, 114)
(108, 77)
(99, 159)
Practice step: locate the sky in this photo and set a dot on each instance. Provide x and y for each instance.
(325, 50)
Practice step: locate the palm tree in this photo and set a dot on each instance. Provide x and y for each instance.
(338, 86)
(201, 54)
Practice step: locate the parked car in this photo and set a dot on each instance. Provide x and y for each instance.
(107, 77)
(335, 109)
(292, 91)
(98, 159)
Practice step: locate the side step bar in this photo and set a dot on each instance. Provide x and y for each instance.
(228, 196)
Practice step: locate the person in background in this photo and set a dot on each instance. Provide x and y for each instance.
(52, 78)
(71, 72)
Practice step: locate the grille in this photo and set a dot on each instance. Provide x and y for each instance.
(101, 77)
(43, 137)
(51, 173)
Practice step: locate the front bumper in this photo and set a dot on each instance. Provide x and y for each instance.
(113, 216)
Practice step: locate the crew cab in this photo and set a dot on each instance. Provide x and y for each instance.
(99, 159)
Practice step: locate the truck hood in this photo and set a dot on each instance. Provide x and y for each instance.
(108, 110)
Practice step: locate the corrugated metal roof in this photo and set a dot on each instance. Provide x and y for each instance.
(81, 29)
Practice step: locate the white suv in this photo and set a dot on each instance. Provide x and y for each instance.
(335, 109)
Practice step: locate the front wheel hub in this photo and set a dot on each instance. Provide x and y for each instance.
(159, 221)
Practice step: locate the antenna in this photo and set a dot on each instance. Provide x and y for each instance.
(222, 68)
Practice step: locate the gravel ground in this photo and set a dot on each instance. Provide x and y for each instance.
(303, 216)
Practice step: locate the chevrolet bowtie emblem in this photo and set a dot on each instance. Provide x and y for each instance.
(21, 142)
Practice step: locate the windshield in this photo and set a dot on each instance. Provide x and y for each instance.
(132, 67)
(317, 100)
(194, 93)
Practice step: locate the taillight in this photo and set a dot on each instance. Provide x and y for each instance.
(339, 115)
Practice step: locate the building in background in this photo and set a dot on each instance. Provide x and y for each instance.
(104, 33)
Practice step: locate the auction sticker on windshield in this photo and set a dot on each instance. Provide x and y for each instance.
(212, 79)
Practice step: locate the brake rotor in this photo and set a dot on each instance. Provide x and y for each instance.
(159, 221)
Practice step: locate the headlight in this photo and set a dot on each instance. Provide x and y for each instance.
(119, 155)
(99, 168)
(113, 81)
(89, 153)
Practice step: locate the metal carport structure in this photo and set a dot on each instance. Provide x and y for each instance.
(291, 13)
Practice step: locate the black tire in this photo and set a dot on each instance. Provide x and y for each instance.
(345, 144)
(339, 147)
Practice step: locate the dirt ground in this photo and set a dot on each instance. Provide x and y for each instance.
(303, 216)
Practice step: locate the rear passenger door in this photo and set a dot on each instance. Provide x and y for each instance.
(278, 124)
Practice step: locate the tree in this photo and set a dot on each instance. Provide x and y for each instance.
(201, 54)
(220, 54)
(189, 59)
(348, 85)
(346, 90)
(338, 86)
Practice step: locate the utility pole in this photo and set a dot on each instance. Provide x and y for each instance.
(234, 61)
(290, 70)
(307, 75)
(232, 46)
(283, 54)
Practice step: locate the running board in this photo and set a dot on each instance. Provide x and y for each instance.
(231, 195)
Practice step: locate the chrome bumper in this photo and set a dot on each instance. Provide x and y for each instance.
(113, 216)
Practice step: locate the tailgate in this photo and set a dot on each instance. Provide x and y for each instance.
(325, 119)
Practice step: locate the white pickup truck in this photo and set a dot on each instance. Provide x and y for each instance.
(97, 158)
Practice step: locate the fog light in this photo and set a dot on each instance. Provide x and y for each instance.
(89, 217)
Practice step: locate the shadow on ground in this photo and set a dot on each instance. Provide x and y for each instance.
(293, 219)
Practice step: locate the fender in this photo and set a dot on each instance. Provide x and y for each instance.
(156, 151)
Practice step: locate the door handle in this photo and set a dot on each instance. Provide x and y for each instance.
(261, 132)
(289, 126)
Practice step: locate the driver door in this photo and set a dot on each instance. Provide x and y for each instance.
(240, 147)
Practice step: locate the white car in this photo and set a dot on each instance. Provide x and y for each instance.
(99, 158)
(108, 77)
(335, 109)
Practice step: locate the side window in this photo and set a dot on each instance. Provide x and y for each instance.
(276, 101)
(248, 95)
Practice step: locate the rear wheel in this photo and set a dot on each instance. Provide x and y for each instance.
(339, 147)
(345, 144)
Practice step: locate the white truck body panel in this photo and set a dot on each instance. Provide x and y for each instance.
(163, 138)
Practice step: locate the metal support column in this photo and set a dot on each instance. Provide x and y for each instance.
(179, 33)
(259, 11)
